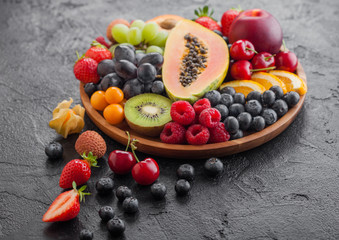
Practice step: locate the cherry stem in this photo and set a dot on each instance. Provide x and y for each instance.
(250, 49)
(129, 140)
(269, 57)
(133, 147)
(262, 69)
(284, 45)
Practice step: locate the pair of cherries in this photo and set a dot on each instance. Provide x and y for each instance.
(243, 51)
(122, 162)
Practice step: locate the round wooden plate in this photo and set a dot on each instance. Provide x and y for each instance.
(156, 147)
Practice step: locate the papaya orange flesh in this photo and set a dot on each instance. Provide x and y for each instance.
(213, 74)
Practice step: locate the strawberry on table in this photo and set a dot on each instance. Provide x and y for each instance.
(85, 70)
(227, 19)
(66, 206)
(98, 52)
(78, 171)
(205, 19)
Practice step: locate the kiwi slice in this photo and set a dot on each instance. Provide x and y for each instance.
(148, 113)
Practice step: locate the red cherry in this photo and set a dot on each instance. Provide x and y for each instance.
(242, 50)
(121, 162)
(263, 60)
(146, 172)
(241, 70)
(286, 61)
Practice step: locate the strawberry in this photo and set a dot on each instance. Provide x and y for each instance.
(102, 41)
(77, 170)
(66, 206)
(85, 70)
(205, 19)
(98, 52)
(227, 19)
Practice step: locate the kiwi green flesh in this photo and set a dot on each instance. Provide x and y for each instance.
(148, 113)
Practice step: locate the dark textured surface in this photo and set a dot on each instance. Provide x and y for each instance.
(285, 189)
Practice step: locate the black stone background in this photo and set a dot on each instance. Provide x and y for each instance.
(285, 189)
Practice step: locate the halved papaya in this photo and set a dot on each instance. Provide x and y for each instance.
(166, 22)
(195, 61)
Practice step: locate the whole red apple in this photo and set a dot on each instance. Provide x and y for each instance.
(260, 28)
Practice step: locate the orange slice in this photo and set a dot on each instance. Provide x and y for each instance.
(244, 86)
(268, 80)
(292, 81)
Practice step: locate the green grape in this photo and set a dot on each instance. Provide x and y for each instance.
(150, 31)
(160, 39)
(155, 49)
(138, 23)
(140, 51)
(134, 36)
(119, 33)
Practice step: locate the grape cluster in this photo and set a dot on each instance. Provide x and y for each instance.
(133, 72)
(145, 35)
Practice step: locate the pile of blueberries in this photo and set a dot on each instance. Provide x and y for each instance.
(133, 72)
(253, 113)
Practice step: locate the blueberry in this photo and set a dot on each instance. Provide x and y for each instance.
(235, 109)
(130, 205)
(146, 73)
(214, 96)
(258, 123)
(239, 98)
(280, 107)
(244, 120)
(237, 135)
(223, 111)
(123, 192)
(106, 213)
(105, 67)
(270, 116)
(54, 150)
(111, 80)
(158, 87)
(253, 107)
(90, 88)
(186, 171)
(279, 93)
(86, 235)
(226, 99)
(226, 39)
(254, 95)
(291, 98)
(124, 52)
(228, 90)
(213, 167)
(125, 69)
(231, 124)
(182, 187)
(104, 185)
(158, 191)
(218, 32)
(229, 45)
(268, 98)
(132, 88)
(154, 58)
(115, 226)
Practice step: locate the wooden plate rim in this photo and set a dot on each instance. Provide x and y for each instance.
(156, 147)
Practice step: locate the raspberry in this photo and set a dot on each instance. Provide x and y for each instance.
(210, 117)
(182, 112)
(173, 133)
(201, 105)
(102, 41)
(218, 134)
(197, 134)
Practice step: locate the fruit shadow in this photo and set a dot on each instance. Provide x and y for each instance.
(59, 230)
